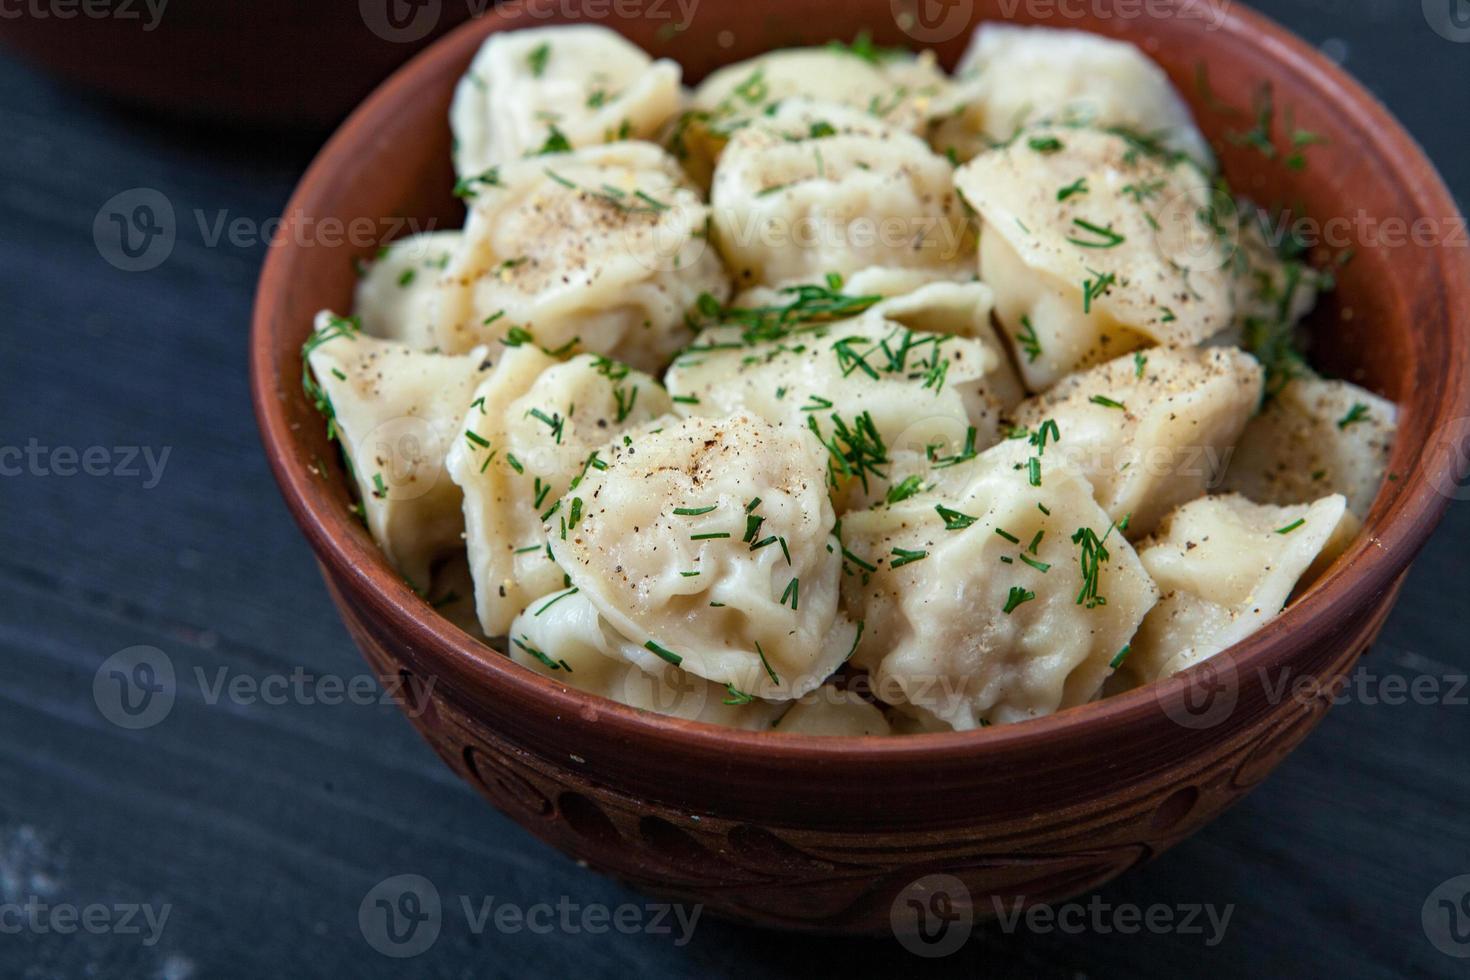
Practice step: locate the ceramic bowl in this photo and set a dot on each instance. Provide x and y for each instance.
(829, 835)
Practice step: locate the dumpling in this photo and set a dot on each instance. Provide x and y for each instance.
(708, 544)
(535, 427)
(582, 83)
(397, 290)
(867, 387)
(900, 89)
(1095, 247)
(918, 301)
(562, 636)
(1012, 77)
(1004, 601)
(814, 189)
(873, 283)
(1316, 437)
(1272, 292)
(760, 355)
(963, 310)
(1226, 567)
(452, 594)
(831, 711)
(1272, 295)
(602, 250)
(1151, 431)
(396, 411)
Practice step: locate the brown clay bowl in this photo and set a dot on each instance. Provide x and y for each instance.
(823, 834)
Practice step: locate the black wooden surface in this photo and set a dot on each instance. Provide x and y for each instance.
(262, 827)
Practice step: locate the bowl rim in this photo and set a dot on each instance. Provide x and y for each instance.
(1400, 522)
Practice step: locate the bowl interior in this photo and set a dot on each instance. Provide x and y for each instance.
(1395, 324)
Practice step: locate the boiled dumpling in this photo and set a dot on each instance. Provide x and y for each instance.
(396, 293)
(868, 387)
(923, 300)
(765, 357)
(894, 86)
(813, 189)
(601, 250)
(1316, 437)
(535, 427)
(708, 544)
(931, 442)
(964, 310)
(901, 90)
(452, 594)
(562, 636)
(1151, 431)
(1095, 247)
(1003, 601)
(872, 284)
(581, 83)
(831, 711)
(1226, 567)
(396, 412)
(1012, 77)
(1272, 295)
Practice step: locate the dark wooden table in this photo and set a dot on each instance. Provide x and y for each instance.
(261, 827)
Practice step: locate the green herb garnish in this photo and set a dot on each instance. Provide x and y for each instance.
(1104, 237)
(953, 519)
(537, 59)
(766, 663)
(1358, 413)
(1016, 597)
(554, 601)
(1079, 186)
(1028, 340)
(907, 488)
(664, 653)
(903, 556)
(737, 697)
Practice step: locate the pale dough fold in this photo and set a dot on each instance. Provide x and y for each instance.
(582, 82)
